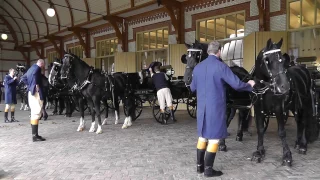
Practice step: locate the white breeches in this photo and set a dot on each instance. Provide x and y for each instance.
(35, 105)
(8, 106)
(164, 95)
(211, 141)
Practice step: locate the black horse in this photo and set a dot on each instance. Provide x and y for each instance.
(60, 91)
(240, 101)
(282, 88)
(96, 86)
(21, 88)
(71, 86)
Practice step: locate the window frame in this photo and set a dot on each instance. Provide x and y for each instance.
(76, 48)
(301, 27)
(148, 31)
(104, 41)
(216, 17)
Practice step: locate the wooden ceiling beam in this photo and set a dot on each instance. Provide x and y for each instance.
(84, 43)
(15, 22)
(35, 46)
(20, 17)
(132, 3)
(36, 24)
(108, 7)
(53, 40)
(70, 11)
(12, 32)
(87, 8)
(45, 19)
(176, 14)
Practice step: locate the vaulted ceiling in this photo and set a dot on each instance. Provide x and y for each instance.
(26, 20)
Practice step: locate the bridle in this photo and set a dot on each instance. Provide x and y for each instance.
(272, 77)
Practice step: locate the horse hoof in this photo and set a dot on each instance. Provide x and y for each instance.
(124, 127)
(92, 130)
(223, 148)
(116, 122)
(238, 138)
(287, 162)
(99, 132)
(302, 151)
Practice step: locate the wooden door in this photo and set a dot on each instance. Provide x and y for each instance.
(175, 53)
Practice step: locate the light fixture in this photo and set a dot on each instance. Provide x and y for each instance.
(50, 11)
(4, 36)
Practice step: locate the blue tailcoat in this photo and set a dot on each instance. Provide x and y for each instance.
(209, 81)
(33, 77)
(10, 90)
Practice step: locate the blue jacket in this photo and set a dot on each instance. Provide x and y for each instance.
(209, 81)
(33, 77)
(10, 90)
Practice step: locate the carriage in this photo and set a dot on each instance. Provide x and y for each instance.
(146, 93)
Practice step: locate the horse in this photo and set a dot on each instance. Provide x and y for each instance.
(96, 87)
(70, 86)
(60, 90)
(21, 87)
(197, 52)
(282, 88)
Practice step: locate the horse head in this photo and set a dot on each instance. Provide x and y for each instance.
(271, 67)
(54, 72)
(196, 52)
(66, 65)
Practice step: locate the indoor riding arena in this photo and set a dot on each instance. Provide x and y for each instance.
(159, 89)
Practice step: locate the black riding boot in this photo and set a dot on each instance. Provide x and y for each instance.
(6, 120)
(35, 136)
(200, 160)
(12, 117)
(172, 116)
(208, 163)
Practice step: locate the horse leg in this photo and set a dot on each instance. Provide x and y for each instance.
(287, 157)
(81, 110)
(116, 107)
(93, 113)
(26, 106)
(97, 103)
(22, 102)
(130, 110)
(260, 153)
(106, 108)
(44, 112)
(55, 110)
(301, 142)
(61, 105)
(241, 119)
(222, 145)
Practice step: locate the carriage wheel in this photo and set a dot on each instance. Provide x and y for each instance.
(156, 111)
(192, 106)
(266, 124)
(138, 107)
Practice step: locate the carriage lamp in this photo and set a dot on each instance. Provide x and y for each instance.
(4, 36)
(318, 67)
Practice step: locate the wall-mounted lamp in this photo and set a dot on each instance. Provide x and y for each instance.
(50, 11)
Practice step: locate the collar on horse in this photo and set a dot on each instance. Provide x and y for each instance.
(87, 81)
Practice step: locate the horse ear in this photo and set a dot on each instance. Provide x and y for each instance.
(269, 44)
(279, 44)
(188, 46)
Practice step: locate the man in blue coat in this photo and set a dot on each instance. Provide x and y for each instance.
(35, 96)
(209, 81)
(10, 84)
